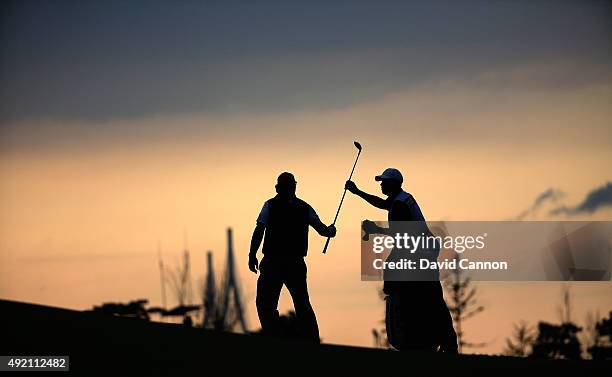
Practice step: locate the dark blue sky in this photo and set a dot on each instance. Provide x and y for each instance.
(101, 60)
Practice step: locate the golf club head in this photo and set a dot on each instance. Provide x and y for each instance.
(357, 145)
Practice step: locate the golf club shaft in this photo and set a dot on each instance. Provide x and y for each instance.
(342, 200)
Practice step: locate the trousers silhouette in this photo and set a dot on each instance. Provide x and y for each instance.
(417, 317)
(291, 272)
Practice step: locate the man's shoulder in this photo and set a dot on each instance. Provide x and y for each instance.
(402, 198)
(405, 197)
(296, 201)
(266, 204)
(301, 202)
(399, 204)
(312, 214)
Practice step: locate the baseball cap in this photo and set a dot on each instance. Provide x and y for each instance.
(390, 173)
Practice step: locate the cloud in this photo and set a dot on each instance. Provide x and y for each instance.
(429, 116)
(552, 195)
(114, 59)
(595, 200)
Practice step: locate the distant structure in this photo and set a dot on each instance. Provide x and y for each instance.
(211, 312)
(223, 306)
(162, 277)
(186, 269)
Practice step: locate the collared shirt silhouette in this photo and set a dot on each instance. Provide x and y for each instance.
(283, 225)
(416, 316)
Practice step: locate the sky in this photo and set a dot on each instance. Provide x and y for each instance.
(125, 124)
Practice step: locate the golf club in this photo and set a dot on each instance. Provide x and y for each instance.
(344, 193)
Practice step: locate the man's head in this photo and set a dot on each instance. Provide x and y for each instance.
(390, 181)
(285, 184)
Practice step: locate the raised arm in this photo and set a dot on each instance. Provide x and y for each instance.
(372, 199)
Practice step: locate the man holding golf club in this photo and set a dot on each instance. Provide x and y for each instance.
(416, 315)
(283, 225)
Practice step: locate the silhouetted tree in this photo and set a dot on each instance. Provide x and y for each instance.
(288, 326)
(380, 334)
(559, 341)
(180, 281)
(521, 342)
(602, 348)
(590, 336)
(134, 309)
(462, 303)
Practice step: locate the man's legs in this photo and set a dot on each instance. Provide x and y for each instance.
(295, 280)
(269, 285)
(448, 336)
(408, 324)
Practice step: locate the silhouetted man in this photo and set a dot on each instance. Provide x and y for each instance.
(416, 315)
(283, 225)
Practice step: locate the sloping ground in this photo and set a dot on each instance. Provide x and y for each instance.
(105, 345)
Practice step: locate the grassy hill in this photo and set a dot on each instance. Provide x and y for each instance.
(104, 345)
